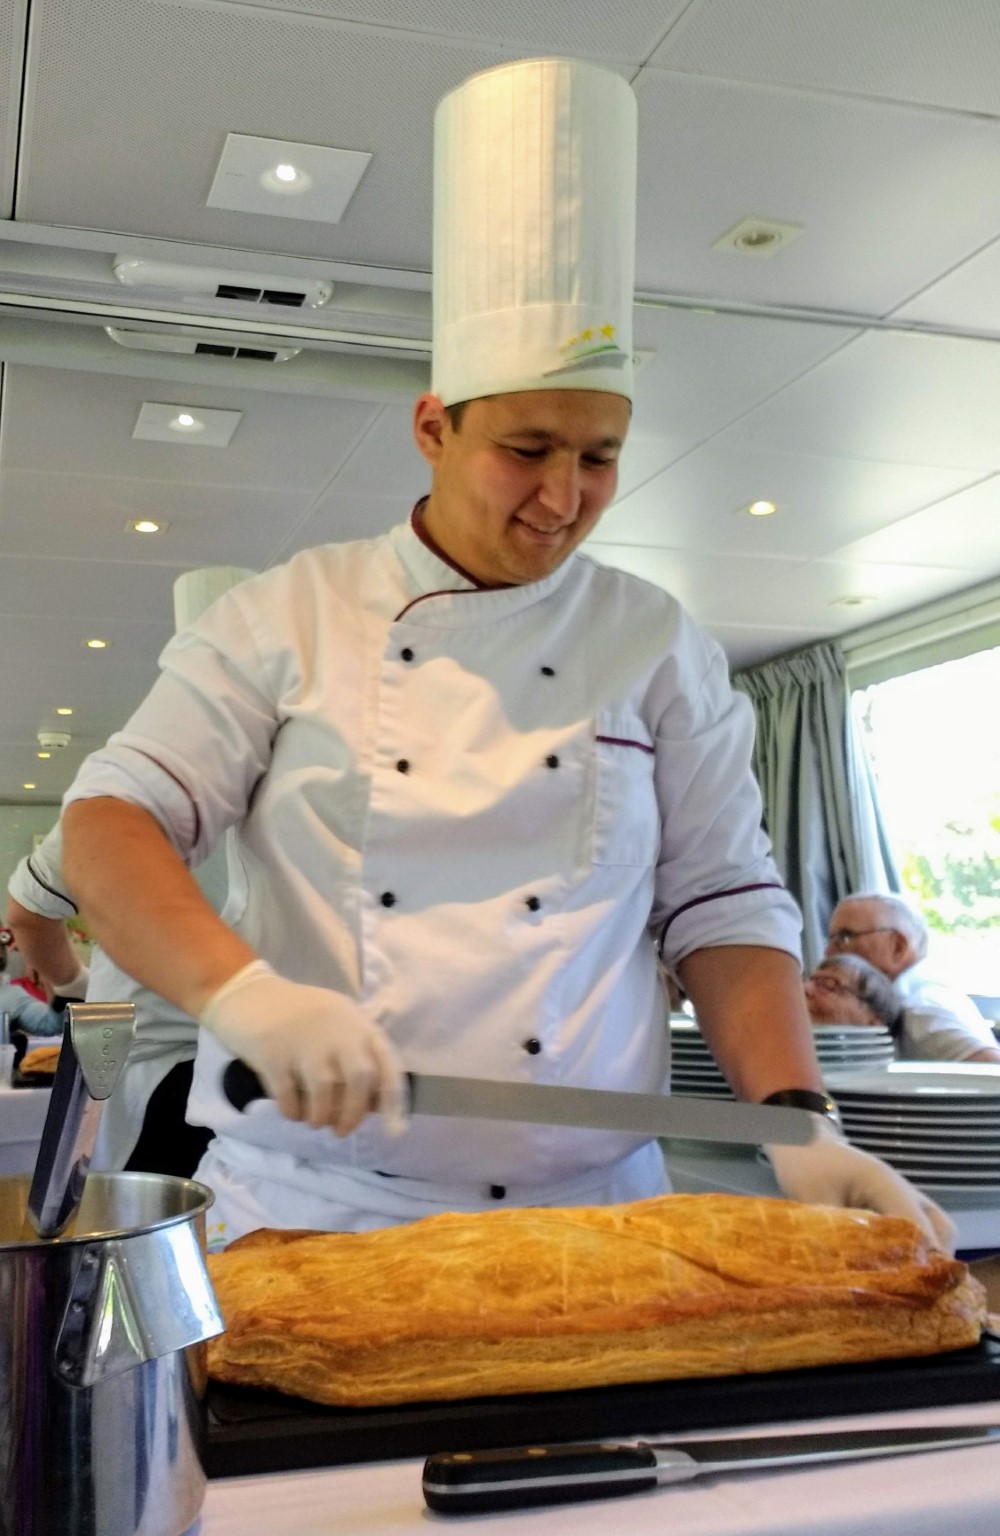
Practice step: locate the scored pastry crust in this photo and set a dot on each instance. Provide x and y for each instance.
(534, 1300)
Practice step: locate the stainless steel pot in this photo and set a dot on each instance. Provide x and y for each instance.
(102, 1334)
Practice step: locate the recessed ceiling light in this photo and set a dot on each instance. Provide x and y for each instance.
(43, 754)
(852, 600)
(757, 237)
(760, 508)
(295, 181)
(96, 645)
(146, 525)
(193, 425)
(63, 709)
(29, 786)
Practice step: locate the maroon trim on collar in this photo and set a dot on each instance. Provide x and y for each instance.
(622, 741)
(417, 524)
(697, 901)
(61, 895)
(180, 785)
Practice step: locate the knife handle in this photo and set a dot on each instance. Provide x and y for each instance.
(242, 1086)
(478, 1482)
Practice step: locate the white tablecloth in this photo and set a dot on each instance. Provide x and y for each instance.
(22, 1115)
(941, 1493)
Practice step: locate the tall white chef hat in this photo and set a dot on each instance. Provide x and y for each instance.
(534, 231)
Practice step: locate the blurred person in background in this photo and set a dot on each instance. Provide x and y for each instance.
(24, 1011)
(143, 1127)
(939, 1022)
(844, 989)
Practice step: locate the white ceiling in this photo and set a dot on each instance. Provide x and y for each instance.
(853, 378)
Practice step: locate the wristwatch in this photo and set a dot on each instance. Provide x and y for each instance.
(806, 1098)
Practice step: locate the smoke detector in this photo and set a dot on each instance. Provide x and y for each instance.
(217, 283)
(210, 344)
(53, 740)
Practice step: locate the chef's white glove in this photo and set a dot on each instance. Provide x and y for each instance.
(315, 1051)
(75, 989)
(829, 1171)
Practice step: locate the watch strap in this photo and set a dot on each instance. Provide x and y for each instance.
(805, 1098)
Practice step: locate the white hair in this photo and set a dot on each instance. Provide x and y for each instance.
(901, 915)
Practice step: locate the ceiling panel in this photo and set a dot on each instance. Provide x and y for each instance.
(813, 593)
(709, 369)
(87, 595)
(898, 398)
(12, 35)
(386, 461)
(79, 423)
(339, 517)
(588, 27)
(147, 92)
(961, 532)
(966, 299)
(699, 502)
(942, 52)
(87, 517)
(102, 688)
(715, 152)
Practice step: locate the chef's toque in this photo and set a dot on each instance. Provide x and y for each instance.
(534, 231)
(194, 591)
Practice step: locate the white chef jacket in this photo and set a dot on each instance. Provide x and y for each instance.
(164, 1035)
(476, 811)
(939, 1022)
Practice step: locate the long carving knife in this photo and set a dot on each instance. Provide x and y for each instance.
(601, 1109)
(483, 1482)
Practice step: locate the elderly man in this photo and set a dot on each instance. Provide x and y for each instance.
(473, 779)
(939, 1023)
(844, 989)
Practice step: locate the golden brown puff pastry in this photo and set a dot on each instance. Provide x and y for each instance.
(531, 1300)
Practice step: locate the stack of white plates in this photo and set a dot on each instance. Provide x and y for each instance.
(843, 1046)
(938, 1124)
(838, 1047)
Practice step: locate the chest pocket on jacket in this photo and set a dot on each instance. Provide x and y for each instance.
(626, 814)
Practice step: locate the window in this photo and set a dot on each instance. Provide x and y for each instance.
(933, 737)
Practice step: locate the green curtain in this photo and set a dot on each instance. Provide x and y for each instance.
(820, 802)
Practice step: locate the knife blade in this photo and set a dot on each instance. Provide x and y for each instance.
(647, 1114)
(482, 1482)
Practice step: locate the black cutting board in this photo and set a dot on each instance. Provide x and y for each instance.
(250, 1431)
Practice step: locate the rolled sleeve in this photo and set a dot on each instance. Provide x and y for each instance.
(716, 882)
(196, 747)
(37, 882)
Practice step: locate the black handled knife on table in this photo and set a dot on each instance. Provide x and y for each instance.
(646, 1114)
(484, 1482)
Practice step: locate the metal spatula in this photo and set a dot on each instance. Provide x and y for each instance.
(97, 1039)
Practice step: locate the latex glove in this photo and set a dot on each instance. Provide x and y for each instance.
(316, 1052)
(829, 1171)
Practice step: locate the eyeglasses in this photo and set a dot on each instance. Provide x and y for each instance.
(844, 937)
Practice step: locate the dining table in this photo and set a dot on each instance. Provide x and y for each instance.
(934, 1493)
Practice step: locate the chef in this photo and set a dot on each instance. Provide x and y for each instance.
(475, 781)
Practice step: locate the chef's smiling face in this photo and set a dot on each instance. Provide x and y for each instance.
(522, 480)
